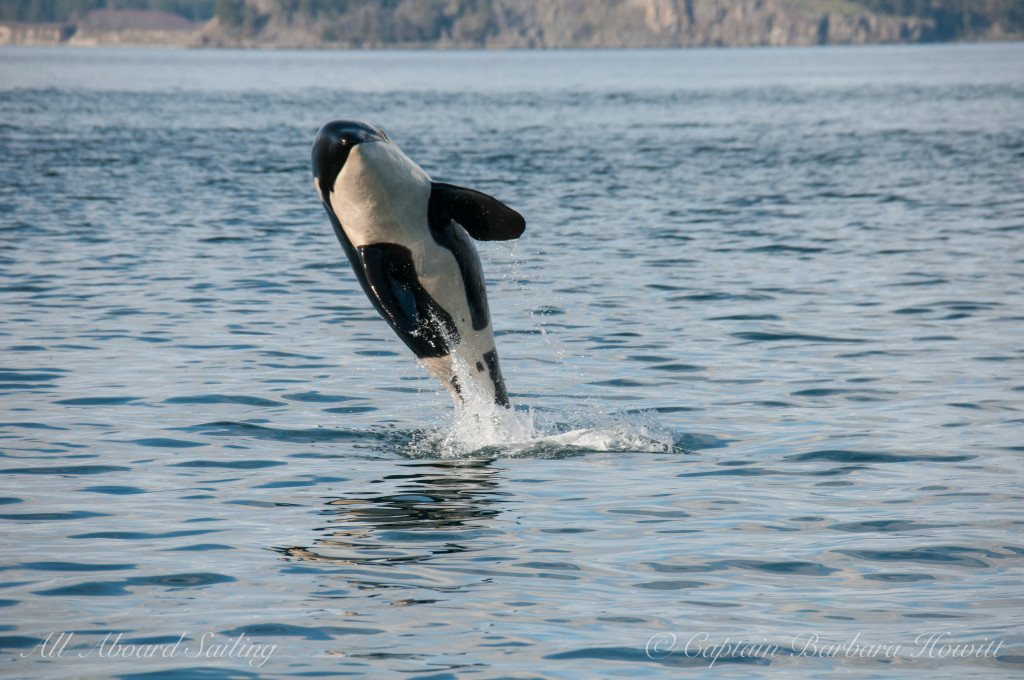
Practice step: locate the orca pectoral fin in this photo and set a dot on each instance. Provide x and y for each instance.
(389, 285)
(393, 287)
(484, 217)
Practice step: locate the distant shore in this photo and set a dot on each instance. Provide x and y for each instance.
(531, 24)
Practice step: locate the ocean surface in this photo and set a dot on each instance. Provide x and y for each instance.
(764, 336)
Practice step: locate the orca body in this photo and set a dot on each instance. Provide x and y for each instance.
(408, 239)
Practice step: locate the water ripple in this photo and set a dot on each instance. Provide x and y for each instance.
(761, 335)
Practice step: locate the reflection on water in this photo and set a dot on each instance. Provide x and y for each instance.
(433, 509)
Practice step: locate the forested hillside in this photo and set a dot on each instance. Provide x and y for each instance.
(39, 11)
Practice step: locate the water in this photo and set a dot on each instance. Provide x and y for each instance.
(764, 336)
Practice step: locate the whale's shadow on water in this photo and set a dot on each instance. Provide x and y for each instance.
(426, 510)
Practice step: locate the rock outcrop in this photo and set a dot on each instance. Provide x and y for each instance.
(693, 23)
(555, 24)
(35, 34)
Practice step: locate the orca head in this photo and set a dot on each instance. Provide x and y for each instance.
(332, 146)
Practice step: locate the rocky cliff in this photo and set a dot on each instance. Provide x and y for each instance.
(569, 24)
(491, 24)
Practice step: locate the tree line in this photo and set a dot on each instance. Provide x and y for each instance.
(70, 11)
(955, 19)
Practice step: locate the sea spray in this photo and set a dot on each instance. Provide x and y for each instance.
(478, 422)
(485, 430)
(481, 428)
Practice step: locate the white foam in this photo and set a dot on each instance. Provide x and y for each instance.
(488, 430)
(615, 436)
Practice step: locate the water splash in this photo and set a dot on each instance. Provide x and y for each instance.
(480, 428)
(487, 430)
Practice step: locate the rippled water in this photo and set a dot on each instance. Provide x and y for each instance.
(764, 336)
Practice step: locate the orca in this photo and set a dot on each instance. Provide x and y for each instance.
(409, 240)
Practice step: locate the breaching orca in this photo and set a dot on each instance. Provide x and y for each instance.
(407, 238)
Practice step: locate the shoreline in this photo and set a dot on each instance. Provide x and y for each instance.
(470, 48)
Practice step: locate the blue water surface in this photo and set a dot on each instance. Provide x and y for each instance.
(764, 336)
